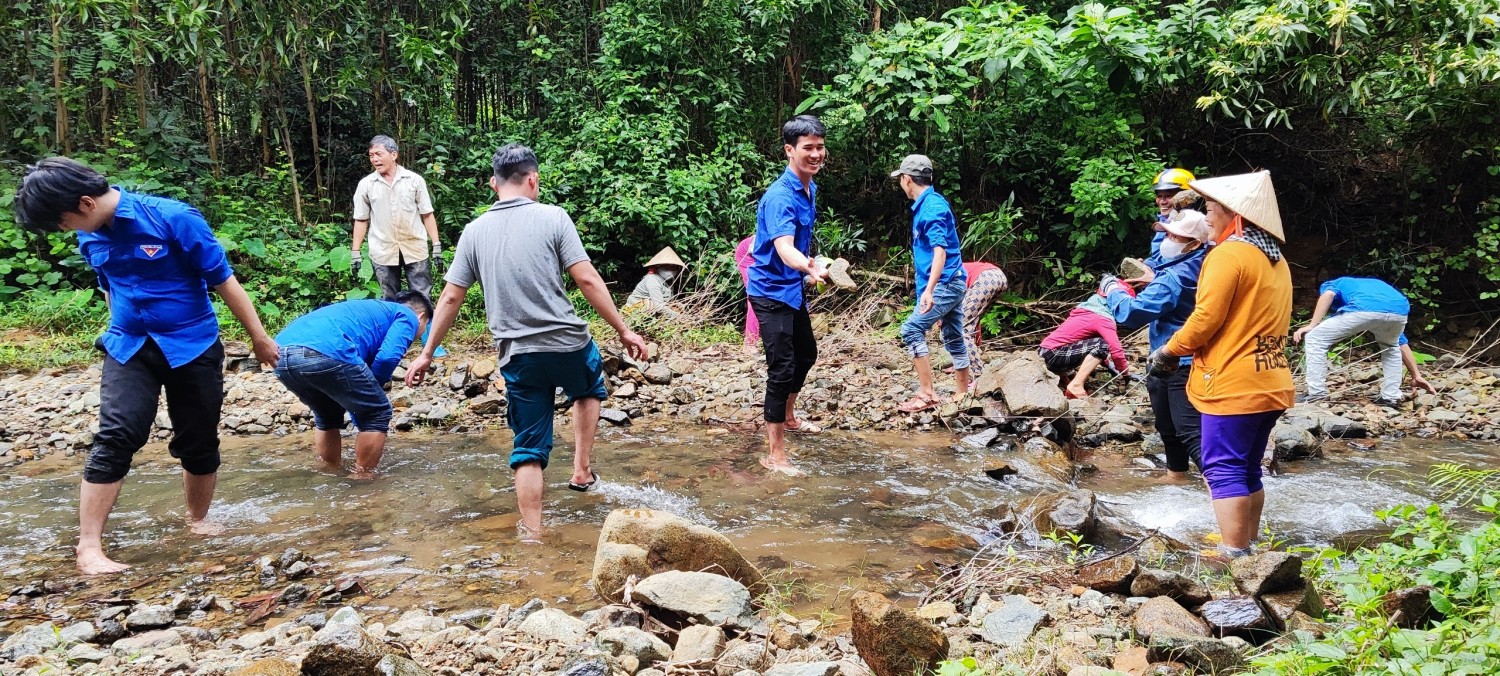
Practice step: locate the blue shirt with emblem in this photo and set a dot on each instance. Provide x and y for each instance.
(785, 209)
(1364, 294)
(933, 226)
(156, 260)
(373, 333)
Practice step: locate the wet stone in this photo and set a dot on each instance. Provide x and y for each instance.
(1161, 616)
(149, 617)
(109, 632)
(614, 416)
(1152, 582)
(1111, 576)
(1266, 573)
(1242, 617)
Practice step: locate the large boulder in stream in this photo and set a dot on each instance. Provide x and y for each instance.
(1029, 389)
(643, 542)
(893, 641)
(1067, 512)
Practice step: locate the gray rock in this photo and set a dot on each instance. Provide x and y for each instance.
(698, 642)
(151, 640)
(1029, 389)
(706, 597)
(804, 669)
(742, 657)
(416, 622)
(109, 632)
(1205, 654)
(1070, 512)
(315, 620)
(1443, 415)
(586, 665)
(551, 624)
(343, 650)
(396, 665)
(658, 374)
(347, 615)
(1014, 622)
(981, 439)
(1266, 573)
(475, 618)
(1294, 442)
(84, 653)
(33, 640)
(79, 632)
(297, 570)
(1241, 616)
(149, 617)
(1125, 432)
(253, 640)
(1152, 582)
(644, 647)
(614, 416)
(113, 612)
(525, 611)
(1162, 616)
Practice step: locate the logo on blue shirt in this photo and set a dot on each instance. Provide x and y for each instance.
(151, 249)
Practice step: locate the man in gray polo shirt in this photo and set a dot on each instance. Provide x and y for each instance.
(517, 251)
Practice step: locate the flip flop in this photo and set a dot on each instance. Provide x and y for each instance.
(784, 469)
(917, 404)
(584, 488)
(804, 427)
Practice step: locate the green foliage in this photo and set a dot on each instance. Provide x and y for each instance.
(1463, 484)
(967, 666)
(1459, 561)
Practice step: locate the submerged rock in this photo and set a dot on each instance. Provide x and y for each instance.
(1068, 512)
(893, 641)
(642, 542)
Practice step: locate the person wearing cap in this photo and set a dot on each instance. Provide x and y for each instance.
(941, 282)
(1166, 186)
(1237, 336)
(1359, 304)
(782, 259)
(1164, 304)
(654, 293)
(986, 281)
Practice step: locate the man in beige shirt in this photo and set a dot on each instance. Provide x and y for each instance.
(392, 204)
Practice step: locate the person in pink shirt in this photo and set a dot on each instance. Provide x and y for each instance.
(1085, 340)
(742, 260)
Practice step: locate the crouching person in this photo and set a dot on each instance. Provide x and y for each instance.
(338, 358)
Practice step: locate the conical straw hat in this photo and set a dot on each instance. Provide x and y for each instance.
(666, 257)
(1249, 195)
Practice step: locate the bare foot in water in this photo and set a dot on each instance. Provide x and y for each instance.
(528, 535)
(96, 563)
(783, 467)
(361, 474)
(205, 527)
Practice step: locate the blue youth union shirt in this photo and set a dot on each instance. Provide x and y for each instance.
(156, 260)
(932, 226)
(373, 333)
(784, 210)
(1364, 294)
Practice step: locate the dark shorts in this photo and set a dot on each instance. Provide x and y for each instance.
(128, 394)
(330, 387)
(531, 382)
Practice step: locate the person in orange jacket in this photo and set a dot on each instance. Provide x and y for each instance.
(1237, 336)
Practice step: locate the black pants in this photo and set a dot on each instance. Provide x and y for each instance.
(791, 351)
(127, 408)
(418, 274)
(1178, 422)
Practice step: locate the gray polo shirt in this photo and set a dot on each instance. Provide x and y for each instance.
(518, 251)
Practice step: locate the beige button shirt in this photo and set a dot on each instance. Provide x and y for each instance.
(395, 212)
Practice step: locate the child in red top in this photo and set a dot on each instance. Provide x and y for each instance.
(1084, 341)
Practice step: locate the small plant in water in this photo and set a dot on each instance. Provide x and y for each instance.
(1078, 550)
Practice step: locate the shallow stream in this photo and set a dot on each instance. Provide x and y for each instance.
(438, 528)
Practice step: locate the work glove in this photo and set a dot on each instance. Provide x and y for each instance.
(1161, 364)
(355, 260)
(437, 257)
(1110, 283)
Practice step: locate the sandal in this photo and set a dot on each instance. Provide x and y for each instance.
(584, 487)
(803, 427)
(916, 404)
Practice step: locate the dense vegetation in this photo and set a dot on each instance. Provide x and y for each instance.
(656, 121)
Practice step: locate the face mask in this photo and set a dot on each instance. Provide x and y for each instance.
(1171, 248)
(667, 274)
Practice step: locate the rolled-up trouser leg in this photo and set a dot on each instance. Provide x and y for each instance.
(195, 400)
(128, 394)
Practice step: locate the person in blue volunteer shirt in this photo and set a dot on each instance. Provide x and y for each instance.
(940, 282)
(1359, 304)
(156, 259)
(338, 357)
(782, 258)
(1165, 302)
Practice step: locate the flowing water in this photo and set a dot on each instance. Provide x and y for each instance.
(438, 529)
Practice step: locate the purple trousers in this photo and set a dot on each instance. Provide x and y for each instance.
(1233, 446)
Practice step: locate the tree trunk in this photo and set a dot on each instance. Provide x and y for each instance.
(291, 160)
(312, 117)
(210, 116)
(61, 114)
(104, 113)
(141, 119)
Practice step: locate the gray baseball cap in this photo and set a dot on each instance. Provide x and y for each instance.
(914, 165)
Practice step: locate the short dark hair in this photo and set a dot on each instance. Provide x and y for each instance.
(416, 301)
(51, 188)
(921, 181)
(802, 125)
(513, 162)
(385, 142)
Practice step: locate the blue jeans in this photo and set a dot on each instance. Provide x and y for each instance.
(531, 379)
(948, 306)
(330, 387)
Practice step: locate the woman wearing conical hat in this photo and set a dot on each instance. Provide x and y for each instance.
(1237, 337)
(654, 292)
